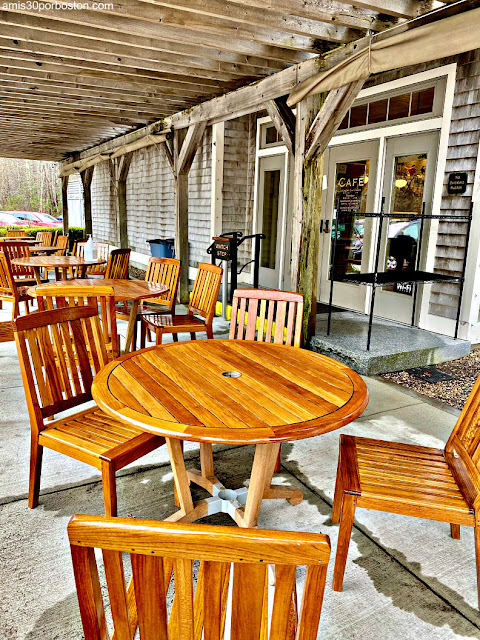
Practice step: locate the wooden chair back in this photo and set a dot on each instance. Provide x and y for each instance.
(15, 233)
(103, 251)
(60, 351)
(18, 249)
(103, 297)
(117, 265)
(462, 450)
(164, 271)
(8, 287)
(160, 550)
(278, 314)
(44, 238)
(78, 246)
(62, 243)
(205, 291)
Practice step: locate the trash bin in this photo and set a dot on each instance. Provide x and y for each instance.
(162, 248)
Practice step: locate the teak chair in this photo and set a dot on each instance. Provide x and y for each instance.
(67, 296)
(201, 308)
(44, 238)
(103, 251)
(9, 291)
(62, 243)
(159, 271)
(280, 322)
(159, 549)
(18, 249)
(15, 233)
(60, 351)
(117, 265)
(412, 480)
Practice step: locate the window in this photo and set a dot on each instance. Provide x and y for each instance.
(269, 136)
(418, 102)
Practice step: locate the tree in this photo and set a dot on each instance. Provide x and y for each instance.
(30, 185)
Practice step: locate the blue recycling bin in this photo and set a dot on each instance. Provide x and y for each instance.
(162, 248)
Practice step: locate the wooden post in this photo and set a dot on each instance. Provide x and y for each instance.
(65, 204)
(307, 215)
(183, 155)
(86, 176)
(122, 167)
(318, 118)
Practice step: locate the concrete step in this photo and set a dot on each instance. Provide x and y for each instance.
(394, 346)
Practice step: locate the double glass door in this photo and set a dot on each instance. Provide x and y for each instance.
(406, 188)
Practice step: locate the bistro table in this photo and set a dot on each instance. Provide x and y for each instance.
(63, 263)
(38, 248)
(124, 290)
(231, 392)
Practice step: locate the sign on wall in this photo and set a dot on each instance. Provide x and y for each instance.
(457, 183)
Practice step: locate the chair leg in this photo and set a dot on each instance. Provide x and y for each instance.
(477, 558)
(193, 336)
(143, 335)
(109, 488)
(344, 535)
(175, 337)
(36, 455)
(455, 531)
(338, 495)
(278, 463)
(210, 333)
(158, 336)
(135, 333)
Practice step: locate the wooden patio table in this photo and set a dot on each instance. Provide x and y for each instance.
(41, 249)
(124, 290)
(63, 263)
(231, 392)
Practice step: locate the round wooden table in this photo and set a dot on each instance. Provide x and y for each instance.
(124, 290)
(63, 263)
(41, 249)
(235, 392)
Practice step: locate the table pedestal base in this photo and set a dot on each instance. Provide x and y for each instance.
(243, 505)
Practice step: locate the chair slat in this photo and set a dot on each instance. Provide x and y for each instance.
(241, 319)
(312, 600)
(213, 589)
(280, 321)
(117, 592)
(252, 320)
(234, 320)
(247, 600)
(91, 604)
(150, 597)
(261, 320)
(182, 569)
(284, 588)
(270, 314)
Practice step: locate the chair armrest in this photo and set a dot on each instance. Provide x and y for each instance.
(349, 465)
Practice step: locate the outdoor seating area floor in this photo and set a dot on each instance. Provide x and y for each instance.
(406, 578)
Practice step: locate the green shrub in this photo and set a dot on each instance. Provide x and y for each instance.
(73, 232)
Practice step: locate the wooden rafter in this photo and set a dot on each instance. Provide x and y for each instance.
(100, 74)
(284, 120)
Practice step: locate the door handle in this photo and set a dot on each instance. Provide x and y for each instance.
(321, 226)
(326, 226)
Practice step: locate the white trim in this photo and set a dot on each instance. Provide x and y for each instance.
(406, 81)
(216, 199)
(278, 150)
(391, 131)
(469, 320)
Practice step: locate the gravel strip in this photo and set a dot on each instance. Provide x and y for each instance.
(452, 392)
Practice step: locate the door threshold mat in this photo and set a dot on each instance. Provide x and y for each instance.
(429, 374)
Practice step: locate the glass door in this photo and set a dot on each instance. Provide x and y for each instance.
(410, 166)
(270, 215)
(351, 177)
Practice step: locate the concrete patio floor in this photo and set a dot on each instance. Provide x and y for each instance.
(405, 578)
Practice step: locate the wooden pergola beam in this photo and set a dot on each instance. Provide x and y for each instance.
(65, 204)
(341, 13)
(86, 177)
(283, 119)
(226, 41)
(110, 41)
(329, 118)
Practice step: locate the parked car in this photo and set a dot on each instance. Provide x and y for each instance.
(7, 220)
(36, 219)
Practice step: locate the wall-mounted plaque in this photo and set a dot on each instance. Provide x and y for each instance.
(457, 183)
(222, 248)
